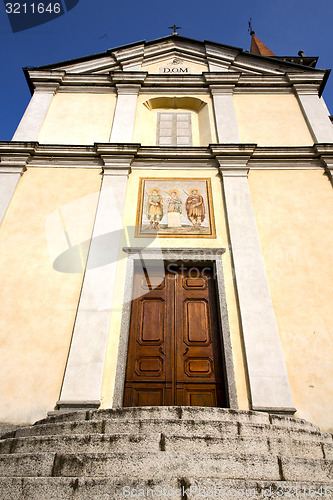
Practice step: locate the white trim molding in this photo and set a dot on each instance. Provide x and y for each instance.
(124, 117)
(268, 379)
(83, 378)
(11, 170)
(34, 116)
(326, 156)
(315, 111)
(224, 109)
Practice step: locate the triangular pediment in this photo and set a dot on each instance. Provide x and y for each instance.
(196, 56)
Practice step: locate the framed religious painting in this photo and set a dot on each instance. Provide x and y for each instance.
(175, 207)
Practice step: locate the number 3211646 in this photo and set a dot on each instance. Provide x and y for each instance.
(33, 8)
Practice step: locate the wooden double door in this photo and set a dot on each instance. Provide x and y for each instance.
(174, 352)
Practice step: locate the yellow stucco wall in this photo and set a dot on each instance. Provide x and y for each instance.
(220, 241)
(271, 120)
(145, 126)
(81, 118)
(38, 304)
(195, 68)
(293, 213)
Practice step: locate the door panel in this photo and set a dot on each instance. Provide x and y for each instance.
(148, 397)
(196, 324)
(174, 354)
(195, 396)
(199, 375)
(152, 314)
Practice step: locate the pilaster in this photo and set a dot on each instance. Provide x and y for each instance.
(314, 110)
(123, 122)
(224, 109)
(268, 379)
(34, 116)
(85, 366)
(326, 156)
(11, 170)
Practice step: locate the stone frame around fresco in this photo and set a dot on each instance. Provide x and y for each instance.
(210, 232)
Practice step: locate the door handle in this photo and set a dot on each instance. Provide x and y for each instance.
(161, 351)
(186, 349)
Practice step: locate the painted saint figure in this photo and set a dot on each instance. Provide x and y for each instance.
(175, 206)
(195, 207)
(155, 207)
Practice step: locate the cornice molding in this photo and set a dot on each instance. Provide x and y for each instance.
(128, 77)
(55, 80)
(324, 149)
(16, 163)
(308, 83)
(78, 79)
(18, 155)
(182, 81)
(129, 57)
(220, 59)
(315, 77)
(86, 89)
(221, 78)
(170, 252)
(238, 150)
(14, 156)
(108, 149)
(326, 155)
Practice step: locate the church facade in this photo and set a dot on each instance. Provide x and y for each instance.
(166, 234)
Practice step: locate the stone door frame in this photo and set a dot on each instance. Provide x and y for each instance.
(186, 256)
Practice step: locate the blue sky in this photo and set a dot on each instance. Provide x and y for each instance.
(285, 26)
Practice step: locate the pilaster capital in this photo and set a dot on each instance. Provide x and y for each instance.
(326, 155)
(117, 158)
(306, 83)
(45, 81)
(127, 89)
(119, 170)
(221, 89)
(46, 87)
(221, 83)
(231, 151)
(14, 163)
(233, 167)
(117, 165)
(306, 88)
(12, 170)
(233, 159)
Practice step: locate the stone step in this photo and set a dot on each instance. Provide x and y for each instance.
(166, 465)
(210, 428)
(181, 413)
(178, 488)
(104, 443)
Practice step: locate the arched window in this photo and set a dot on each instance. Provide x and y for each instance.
(174, 121)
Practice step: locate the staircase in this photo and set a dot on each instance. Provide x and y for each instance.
(168, 453)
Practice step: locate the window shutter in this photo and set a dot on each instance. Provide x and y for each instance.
(174, 129)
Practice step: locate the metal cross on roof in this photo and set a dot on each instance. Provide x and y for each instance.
(174, 28)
